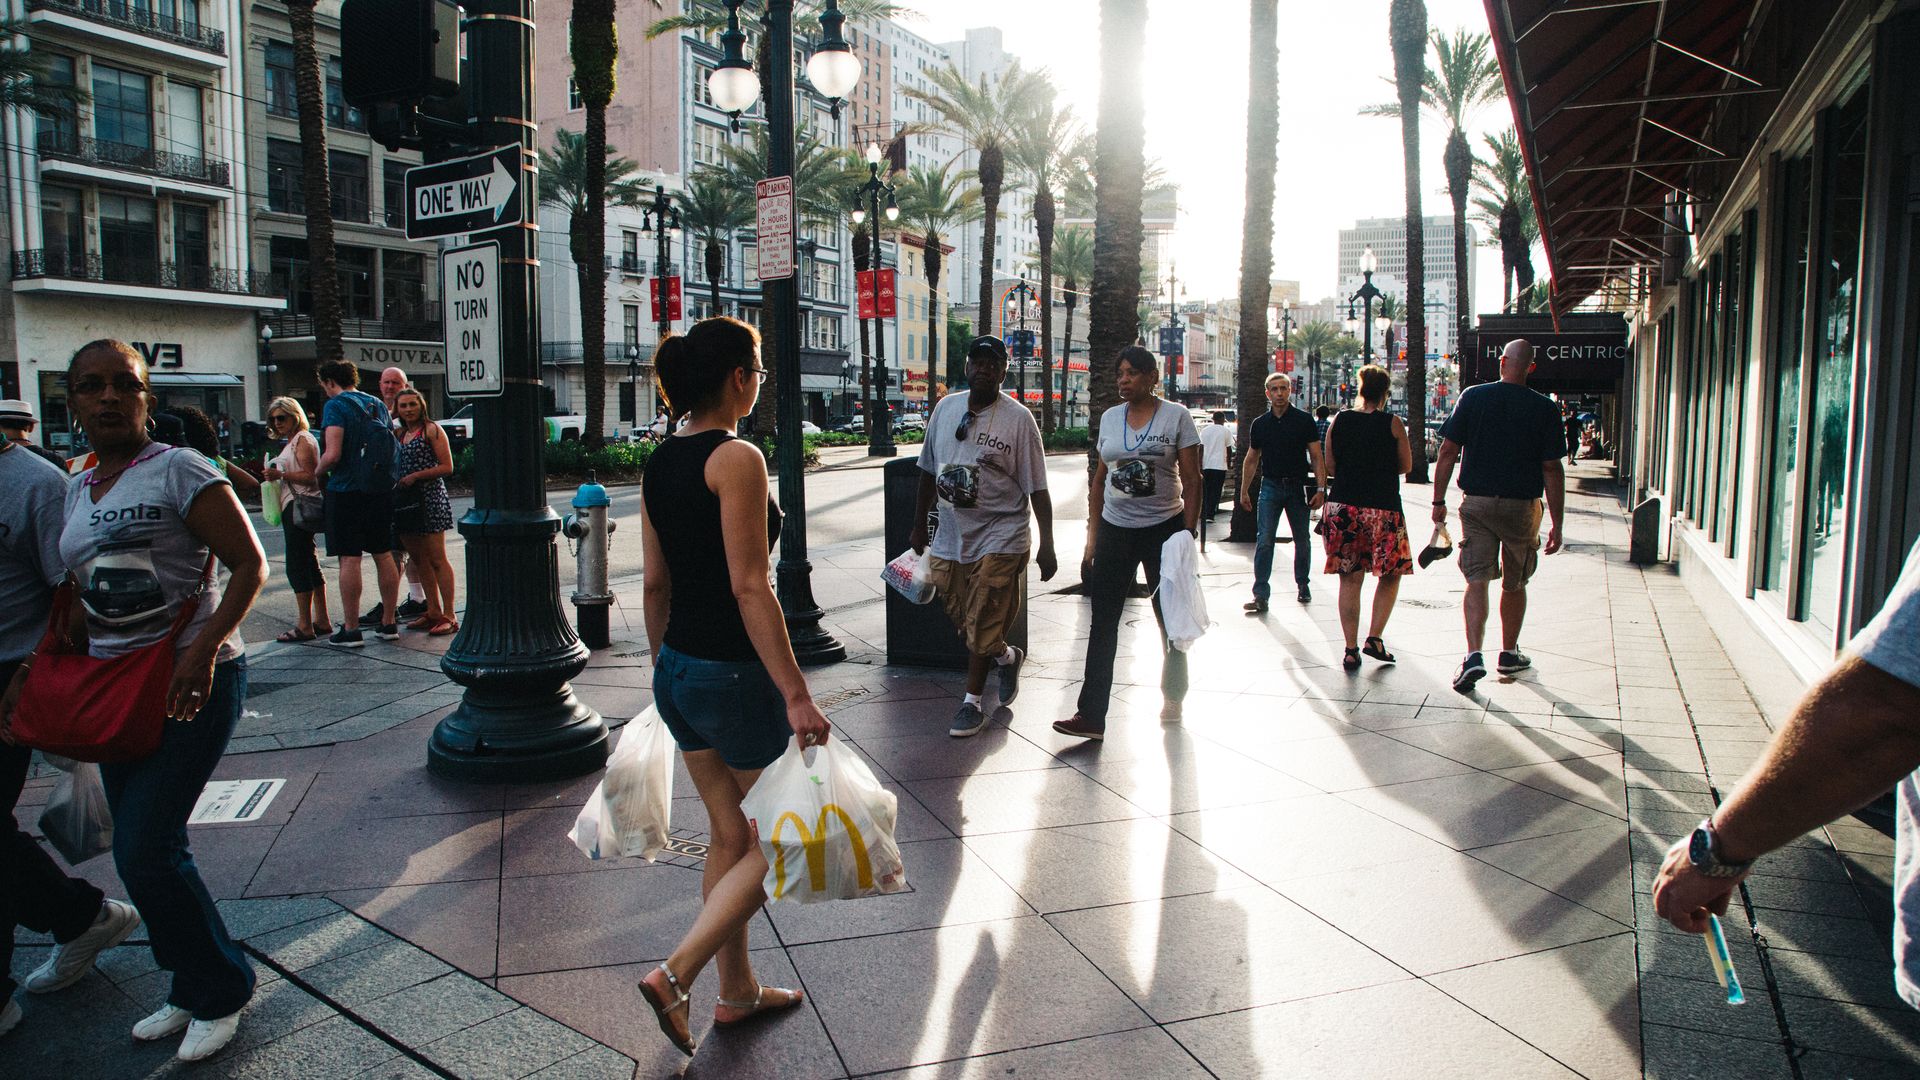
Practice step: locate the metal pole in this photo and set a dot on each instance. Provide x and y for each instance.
(793, 576)
(515, 652)
(879, 439)
(663, 251)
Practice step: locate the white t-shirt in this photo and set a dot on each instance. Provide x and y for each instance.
(1214, 440)
(1891, 642)
(982, 482)
(133, 558)
(30, 565)
(1143, 464)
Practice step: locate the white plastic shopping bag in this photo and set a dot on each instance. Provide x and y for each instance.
(76, 820)
(1182, 604)
(826, 826)
(911, 576)
(628, 813)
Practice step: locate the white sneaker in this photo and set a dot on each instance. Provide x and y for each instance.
(71, 962)
(168, 1020)
(206, 1038)
(1170, 712)
(9, 1016)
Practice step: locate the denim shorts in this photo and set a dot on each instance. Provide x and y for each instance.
(727, 705)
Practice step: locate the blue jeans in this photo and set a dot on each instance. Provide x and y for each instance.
(727, 705)
(1274, 498)
(151, 800)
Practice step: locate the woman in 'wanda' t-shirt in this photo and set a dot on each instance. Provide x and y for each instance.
(1145, 489)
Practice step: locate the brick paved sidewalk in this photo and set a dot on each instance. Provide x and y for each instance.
(1316, 875)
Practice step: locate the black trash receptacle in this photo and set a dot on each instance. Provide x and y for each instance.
(919, 634)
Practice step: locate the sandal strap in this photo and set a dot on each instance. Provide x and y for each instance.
(680, 996)
(759, 992)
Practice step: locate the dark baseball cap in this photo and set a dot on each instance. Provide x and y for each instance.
(990, 345)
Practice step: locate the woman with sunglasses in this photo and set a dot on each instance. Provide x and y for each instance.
(422, 513)
(724, 678)
(294, 468)
(147, 529)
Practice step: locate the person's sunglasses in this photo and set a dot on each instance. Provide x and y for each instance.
(94, 387)
(279, 418)
(960, 432)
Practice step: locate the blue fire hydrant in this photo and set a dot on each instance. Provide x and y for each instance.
(591, 530)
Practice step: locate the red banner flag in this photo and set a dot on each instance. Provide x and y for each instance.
(864, 286)
(673, 298)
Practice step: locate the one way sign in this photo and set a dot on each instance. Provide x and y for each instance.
(466, 195)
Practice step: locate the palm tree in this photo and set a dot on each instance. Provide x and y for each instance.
(709, 17)
(1040, 150)
(1407, 32)
(1309, 340)
(713, 209)
(596, 50)
(1256, 233)
(1073, 261)
(931, 202)
(1505, 203)
(984, 117)
(316, 189)
(564, 186)
(24, 75)
(1120, 164)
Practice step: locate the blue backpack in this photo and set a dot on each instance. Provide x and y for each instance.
(371, 448)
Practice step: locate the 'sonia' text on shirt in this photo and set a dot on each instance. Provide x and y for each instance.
(119, 515)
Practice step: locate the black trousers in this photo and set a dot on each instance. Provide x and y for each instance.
(1212, 481)
(1116, 552)
(34, 891)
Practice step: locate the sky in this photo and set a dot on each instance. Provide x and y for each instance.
(1335, 165)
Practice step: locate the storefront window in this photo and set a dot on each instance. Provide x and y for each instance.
(1739, 291)
(1796, 176)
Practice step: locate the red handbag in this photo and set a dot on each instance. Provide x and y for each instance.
(100, 710)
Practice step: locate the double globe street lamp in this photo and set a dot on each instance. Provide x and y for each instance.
(866, 206)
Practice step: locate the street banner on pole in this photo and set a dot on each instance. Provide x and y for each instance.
(773, 222)
(673, 298)
(1173, 341)
(465, 195)
(889, 302)
(470, 287)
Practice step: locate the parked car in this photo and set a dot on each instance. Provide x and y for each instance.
(459, 426)
(910, 422)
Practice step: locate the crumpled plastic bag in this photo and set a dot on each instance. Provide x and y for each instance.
(1182, 603)
(629, 812)
(910, 575)
(76, 820)
(826, 826)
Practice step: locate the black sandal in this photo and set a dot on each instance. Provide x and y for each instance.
(1352, 660)
(1378, 650)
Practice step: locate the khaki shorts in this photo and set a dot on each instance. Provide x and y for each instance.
(982, 598)
(1501, 539)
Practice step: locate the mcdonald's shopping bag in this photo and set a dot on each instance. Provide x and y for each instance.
(911, 576)
(1182, 604)
(628, 812)
(826, 826)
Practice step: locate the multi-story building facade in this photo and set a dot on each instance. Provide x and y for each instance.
(389, 285)
(982, 55)
(127, 213)
(1388, 239)
(912, 59)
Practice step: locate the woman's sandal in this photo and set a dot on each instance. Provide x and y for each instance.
(759, 1006)
(1378, 650)
(662, 1007)
(296, 635)
(1351, 661)
(443, 627)
(424, 622)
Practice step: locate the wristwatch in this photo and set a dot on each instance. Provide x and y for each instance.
(1701, 853)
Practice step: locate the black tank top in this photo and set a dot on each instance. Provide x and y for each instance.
(1366, 460)
(703, 619)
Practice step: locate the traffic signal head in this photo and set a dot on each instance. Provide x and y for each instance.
(394, 51)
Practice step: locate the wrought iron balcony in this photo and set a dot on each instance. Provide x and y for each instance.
(70, 146)
(397, 326)
(43, 263)
(139, 18)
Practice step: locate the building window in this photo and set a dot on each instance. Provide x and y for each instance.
(192, 249)
(59, 126)
(393, 193)
(348, 175)
(630, 324)
(339, 113)
(629, 251)
(574, 104)
(627, 406)
(1782, 488)
(823, 331)
(355, 265)
(129, 239)
(63, 219)
(708, 143)
(285, 171)
(287, 260)
(282, 98)
(122, 107)
(750, 262)
(826, 280)
(403, 285)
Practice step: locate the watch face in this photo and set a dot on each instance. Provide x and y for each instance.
(1700, 848)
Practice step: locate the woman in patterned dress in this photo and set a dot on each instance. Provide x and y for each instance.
(422, 514)
(1367, 452)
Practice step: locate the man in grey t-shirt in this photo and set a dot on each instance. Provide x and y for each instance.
(1855, 734)
(983, 460)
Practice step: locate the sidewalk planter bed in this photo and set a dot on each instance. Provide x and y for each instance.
(1067, 438)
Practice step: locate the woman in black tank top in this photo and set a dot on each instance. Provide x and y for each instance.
(1367, 452)
(724, 679)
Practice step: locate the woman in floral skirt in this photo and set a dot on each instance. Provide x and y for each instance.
(1367, 452)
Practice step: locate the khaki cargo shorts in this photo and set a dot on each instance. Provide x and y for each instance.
(982, 598)
(1501, 539)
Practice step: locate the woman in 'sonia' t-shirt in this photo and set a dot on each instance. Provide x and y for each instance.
(1145, 489)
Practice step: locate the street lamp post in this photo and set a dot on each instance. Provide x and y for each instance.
(833, 70)
(866, 206)
(1024, 294)
(1286, 325)
(1366, 294)
(1173, 323)
(660, 218)
(633, 385)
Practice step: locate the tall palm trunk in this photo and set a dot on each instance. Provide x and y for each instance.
(933, 263)
(595, 50)
(1459, 162)
(714, 266)
(316, 187)
(1407, 31)
(993, 174)
(1120, 170)
(1256, 235)
(1510, 247)
(862, 260)
(1066, 354)
(1043, 218)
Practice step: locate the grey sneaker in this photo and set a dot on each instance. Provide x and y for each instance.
(70, 962)
(968, 721)
(1513, 661)
(1472, 670)
(1010, 675)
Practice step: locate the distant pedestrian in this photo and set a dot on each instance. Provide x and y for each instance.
(422, 513)
(1216, 443)
(724, 679)
(34, 891)
(1364, 527)
(147, 531)
(296, 470)
(984, 462)
(1322, 419)
(359, 498)
(17, 421)
(1574, 427)
(202, 435)
(392, 381)
(1145, 489)
(1512, 442)
(1283, 458)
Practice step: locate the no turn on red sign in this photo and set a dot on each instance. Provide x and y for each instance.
(773, 220)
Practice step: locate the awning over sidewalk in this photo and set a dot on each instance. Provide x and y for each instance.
(1617, 103)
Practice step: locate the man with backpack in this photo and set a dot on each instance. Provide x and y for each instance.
(357, 459)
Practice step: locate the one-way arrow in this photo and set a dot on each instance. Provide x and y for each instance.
(462, 196)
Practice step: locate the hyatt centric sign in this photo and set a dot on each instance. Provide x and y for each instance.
(1580, 362)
